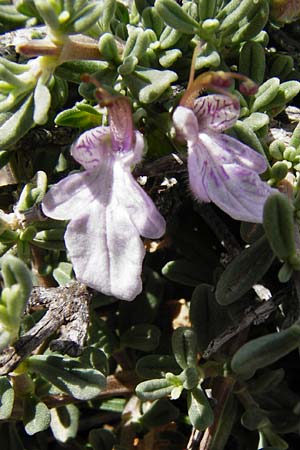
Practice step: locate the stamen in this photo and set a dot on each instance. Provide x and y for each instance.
(193, 63)
(218, 81)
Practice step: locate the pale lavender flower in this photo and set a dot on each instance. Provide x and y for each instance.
(221, 169)
(107, 208)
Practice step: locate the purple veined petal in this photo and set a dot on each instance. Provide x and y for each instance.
(106, 250)
(198, 161)
(216, 112)
(238, 191)
(93, 147)
(140, 208)
(235, 188)
(226, 149)
(186, 124)
(68, 198)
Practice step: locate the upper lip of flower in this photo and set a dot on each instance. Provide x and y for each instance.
(222, 169)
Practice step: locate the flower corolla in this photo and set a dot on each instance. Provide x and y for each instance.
(108, 210)
(221, 169)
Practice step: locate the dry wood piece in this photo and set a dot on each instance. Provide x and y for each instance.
(67, 313)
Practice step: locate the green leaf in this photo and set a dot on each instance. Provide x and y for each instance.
(286, 92)
(265, 350)
(256, 121)
(68, 375)
(168, 57)
(63, 273)
(16, 124)
(186, 272)
(244, 271)
(189, 377)
(64, 422)
(244, 132)
(199, 410)
(176, 17)
(185, 347)
(101, 439)
(87, 17)
(36, 416)
(143, 337)
(265, 94)
(157, 366)
(280, 66)
(96, 358)
(42, 102)
(152, 20)
(207, 57)
(279, 225)
(159, 414)
(108, 48)
(10, 439)
(146, 304)
(6, 398)
(109, 8)
(49, 13)
(208, 318)
(254, 419)
(101, 335)
(72, 70)
(207, 9)
(154, 389)
(149, 84)
(16, 273)
(252, 61)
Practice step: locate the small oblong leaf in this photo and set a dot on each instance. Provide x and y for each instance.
(278, 222)
(143, 337)
(16, 124)
(265, 350)
(208, 318)
(64, 422)
(244, 271)
(101, 439)
(68, 375)
(149, 84)
(184, 347)
(265, 94)
(199, 410)
(188, 273)
(157, 366)
(176, 17)
(154, 389)
(36, 416)
(252, 61)
(160, 413)
(6, 398)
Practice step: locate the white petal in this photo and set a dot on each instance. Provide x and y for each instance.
(68, 198)
(140, 208)
(133, 156)
(197, 168)
(216, 112)
(106, 250)
(186, 124)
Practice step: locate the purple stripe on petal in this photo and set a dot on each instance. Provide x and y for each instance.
(92, 147)
(216, 112)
